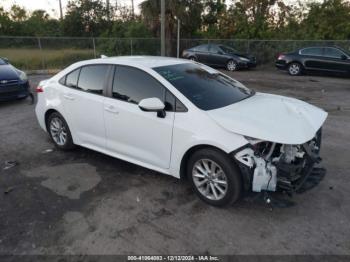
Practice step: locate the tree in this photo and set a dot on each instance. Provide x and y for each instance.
(189, 12)
(327, 20)
(85, 18)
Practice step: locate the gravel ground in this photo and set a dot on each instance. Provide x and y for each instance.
(83, 202)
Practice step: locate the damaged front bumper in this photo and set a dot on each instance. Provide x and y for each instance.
(268, 166)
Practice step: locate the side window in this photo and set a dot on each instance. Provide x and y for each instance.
(170, 102)
(92, 77)
(332, 52)
(180, 107)
(71, 80)
(317, 51)
(173, 104)
(202, 48)
(133, 85)
(214, 49)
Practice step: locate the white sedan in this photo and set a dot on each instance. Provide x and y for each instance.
(183, 119)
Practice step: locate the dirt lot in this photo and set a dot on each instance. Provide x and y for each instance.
(83, 202)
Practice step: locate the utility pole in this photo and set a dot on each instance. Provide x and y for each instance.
(108, 13)
(132, 9)
(178, 38)
(162, 27)
(61, 14)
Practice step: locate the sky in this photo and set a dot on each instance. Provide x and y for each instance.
(52, 6)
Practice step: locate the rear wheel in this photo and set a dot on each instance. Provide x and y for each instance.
(294, 69)
(214, 177)
(59, 131)
(231, 65)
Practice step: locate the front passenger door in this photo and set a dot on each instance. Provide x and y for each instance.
(132, 134)
(336, 60)
(216, 56)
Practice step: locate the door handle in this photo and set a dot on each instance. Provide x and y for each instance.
(68, 96)
(111, 109)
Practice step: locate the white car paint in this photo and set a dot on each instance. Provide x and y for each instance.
(271, 118)
(123, 130)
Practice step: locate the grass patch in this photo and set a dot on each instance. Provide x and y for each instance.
(34, 59)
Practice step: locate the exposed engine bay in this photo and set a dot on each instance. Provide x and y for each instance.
(271, 166)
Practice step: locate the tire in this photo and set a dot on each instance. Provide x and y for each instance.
(192, 58)
(226, 172)
(231, 65)
(58, 129)
(295, 69)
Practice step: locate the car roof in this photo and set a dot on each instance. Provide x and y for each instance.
(139, 61)
(321, 47)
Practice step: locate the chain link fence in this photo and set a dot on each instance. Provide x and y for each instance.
(41, 53)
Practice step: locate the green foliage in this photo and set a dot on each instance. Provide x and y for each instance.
(238, 19)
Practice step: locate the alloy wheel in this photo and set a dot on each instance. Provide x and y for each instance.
(294, 69)
(58, 131)
(231, 65)
(210, 179)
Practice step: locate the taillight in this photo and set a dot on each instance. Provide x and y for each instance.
(39, 89)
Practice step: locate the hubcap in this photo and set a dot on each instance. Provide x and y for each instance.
(58, 131)
(209, 179)
(294, 69)
(231, 66)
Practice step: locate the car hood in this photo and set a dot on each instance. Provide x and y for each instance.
(271, 118)
(8, 72)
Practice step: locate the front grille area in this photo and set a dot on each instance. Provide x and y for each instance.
(10, 82)
(13, 89)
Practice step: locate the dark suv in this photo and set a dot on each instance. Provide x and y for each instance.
(321, 59)
(220, 56)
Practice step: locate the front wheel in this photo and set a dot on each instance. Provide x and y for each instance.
(59, 132)
(214, 177)
(231, 65)
(294, 69)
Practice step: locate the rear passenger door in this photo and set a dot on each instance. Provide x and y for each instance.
(313, 57)
(132, 134)
(83, 102)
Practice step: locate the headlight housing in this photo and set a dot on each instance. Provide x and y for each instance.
(23, 76)
(244, 59)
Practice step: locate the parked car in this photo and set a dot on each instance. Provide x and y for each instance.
(320, 59)
(14, 83)
(183, 119)
(220, 56)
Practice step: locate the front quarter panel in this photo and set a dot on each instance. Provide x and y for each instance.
(194, 128)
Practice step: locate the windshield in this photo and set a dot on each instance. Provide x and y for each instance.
(203, 86)
(228, 49)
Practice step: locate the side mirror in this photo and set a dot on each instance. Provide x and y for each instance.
(220, 52)
(153, 105)
(343, 57)
(6, 60)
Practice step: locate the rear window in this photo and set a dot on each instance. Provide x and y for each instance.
(204, 88)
